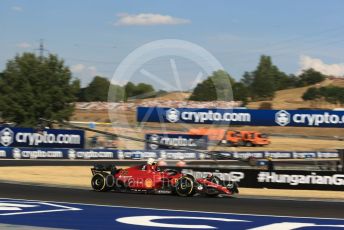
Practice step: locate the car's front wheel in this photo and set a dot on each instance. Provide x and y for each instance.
(233, 187)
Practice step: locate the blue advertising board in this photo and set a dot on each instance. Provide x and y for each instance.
(96, 154)
(251, 117)
(164, 141)
(48, 138)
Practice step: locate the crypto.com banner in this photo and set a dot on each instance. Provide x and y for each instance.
(110, 154)
(50, 138)
(297, 118)
(164, 140)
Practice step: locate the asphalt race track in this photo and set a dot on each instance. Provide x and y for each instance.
(28, 207)
(302, 208)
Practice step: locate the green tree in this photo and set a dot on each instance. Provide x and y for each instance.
(240, 92)
(204, 91)
(282, 80)
(331, 94)
(291, 81)
(218, 86)
(97, 90)
(116, 93)
(247, 79)
(266, 79)
(129, 89)
(310, 77)
(311, 94)
(32, 87)
(142, 89)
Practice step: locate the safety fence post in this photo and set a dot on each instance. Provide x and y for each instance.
(341, 157)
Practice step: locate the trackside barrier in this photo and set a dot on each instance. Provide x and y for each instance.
(278, 179)
(251, 117)
(75, 153)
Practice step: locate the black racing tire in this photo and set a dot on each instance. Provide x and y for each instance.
(102, 182)
(233, 187)
(185, 186)
(191, 177)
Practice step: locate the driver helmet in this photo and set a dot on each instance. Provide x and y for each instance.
(209, 175)
(150, 161)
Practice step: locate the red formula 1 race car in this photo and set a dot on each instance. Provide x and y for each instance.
(148, 178)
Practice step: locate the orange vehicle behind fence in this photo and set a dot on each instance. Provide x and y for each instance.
(251, 138)
(232, 138)
(224, 137)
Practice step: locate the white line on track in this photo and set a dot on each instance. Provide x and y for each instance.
(177, 210)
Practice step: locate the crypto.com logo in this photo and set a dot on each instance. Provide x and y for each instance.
(282, 118)
(6, 137)
(172, 115)
(155, 139)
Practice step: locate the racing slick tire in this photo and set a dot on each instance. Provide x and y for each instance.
(185, 186)
(102, 182)
(233, 187)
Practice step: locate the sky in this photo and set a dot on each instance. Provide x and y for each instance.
(94, 37)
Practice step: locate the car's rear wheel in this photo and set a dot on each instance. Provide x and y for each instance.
(101, 182)
(185, 186)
